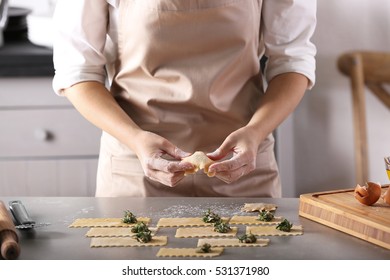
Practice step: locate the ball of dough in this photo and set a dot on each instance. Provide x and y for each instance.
(200, 161)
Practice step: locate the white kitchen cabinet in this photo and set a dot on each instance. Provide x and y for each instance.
(46, 147)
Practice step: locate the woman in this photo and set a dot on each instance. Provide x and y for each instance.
(166, 78)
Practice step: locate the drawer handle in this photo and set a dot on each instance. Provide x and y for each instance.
(43, 135)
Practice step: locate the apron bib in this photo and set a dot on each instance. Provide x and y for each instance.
(189, 71)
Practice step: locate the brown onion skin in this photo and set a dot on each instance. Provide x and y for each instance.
(386, 196)
(369, 194)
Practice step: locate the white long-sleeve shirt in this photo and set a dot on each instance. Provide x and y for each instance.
(85, 43)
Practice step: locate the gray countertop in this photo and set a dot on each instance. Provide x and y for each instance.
(59, 242)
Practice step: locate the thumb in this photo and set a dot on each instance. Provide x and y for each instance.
(220, 152)
(175, 152)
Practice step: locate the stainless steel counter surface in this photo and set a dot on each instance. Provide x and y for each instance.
(59, 242)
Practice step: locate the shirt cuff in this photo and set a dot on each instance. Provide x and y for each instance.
(63, 81)
(305, 67)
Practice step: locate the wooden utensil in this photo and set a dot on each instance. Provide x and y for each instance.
(9, 239)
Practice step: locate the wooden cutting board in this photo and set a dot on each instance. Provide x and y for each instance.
(340, 210)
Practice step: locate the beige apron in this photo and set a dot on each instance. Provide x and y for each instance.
(189, 71)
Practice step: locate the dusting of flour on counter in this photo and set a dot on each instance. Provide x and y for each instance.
(181, 210)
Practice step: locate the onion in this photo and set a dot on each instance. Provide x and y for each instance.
(369, 194)
(386, 196)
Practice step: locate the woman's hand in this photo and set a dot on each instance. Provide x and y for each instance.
(243, 146)
(154, 152)
(98, 106)
(281, 98)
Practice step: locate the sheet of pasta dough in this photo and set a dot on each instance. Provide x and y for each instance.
(273, 231)
(231, 242)
(253, 220)
(185, 222)
(257, 207)
(113, 232)
(104, 222)
(188, 252)
(127, 242)
(185, 232)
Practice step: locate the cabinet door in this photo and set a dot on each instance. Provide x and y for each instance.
(46, 132)
(71, 177)
(29, 92)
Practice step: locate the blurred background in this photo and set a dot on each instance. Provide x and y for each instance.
(323, 123)
(315, 146)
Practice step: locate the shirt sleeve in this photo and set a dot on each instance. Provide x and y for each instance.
(79, 40)
(287, 27)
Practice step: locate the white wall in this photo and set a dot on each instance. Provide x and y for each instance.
(318, 138)
(323, 130)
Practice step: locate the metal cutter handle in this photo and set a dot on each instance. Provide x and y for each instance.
(20, 213)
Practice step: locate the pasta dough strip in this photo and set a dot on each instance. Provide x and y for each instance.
(104, 222)
(113, 232)
(273, 231)
(232, 242)
(185, 222)
(188, 252)
(127, 242)
(253, 220)
(203, 232)
(257, 207)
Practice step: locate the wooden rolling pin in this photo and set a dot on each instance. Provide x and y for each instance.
(9, 239)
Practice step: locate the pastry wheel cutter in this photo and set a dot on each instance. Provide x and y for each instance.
(21, 216)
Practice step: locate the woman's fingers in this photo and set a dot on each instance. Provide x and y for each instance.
(165, 171)
(232, 175)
